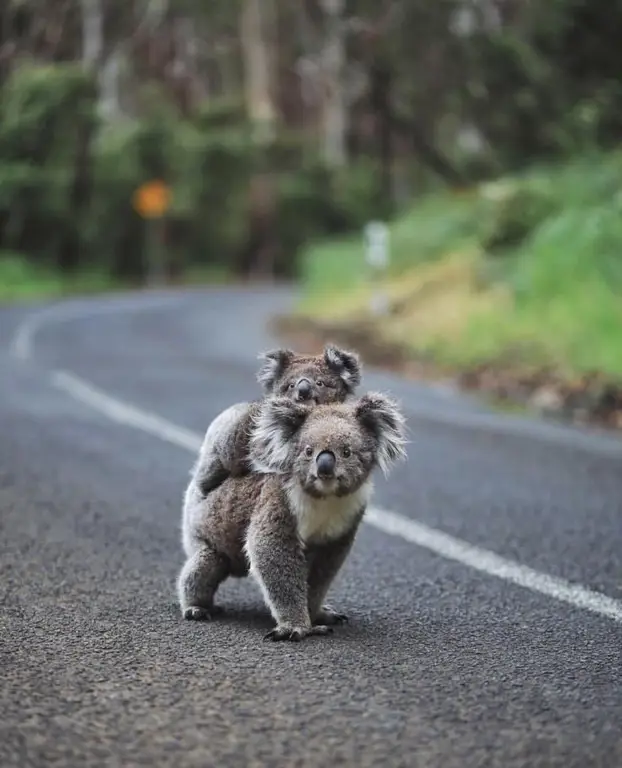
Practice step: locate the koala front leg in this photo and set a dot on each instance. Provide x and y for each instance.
(278, 564)
(198, 581)
(324, 565)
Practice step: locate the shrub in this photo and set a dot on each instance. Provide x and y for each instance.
(66, 190)
(508, 221)
(46, 122)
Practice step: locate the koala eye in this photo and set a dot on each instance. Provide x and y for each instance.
(320, 383)
(347, 452)
(309, 451)
(290, 385)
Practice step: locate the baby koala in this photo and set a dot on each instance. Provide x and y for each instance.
(331, 377)
(292, 522)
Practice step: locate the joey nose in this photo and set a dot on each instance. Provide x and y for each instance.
(325, 463)
(304, 389)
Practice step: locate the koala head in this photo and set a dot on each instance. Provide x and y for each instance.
(317, 379)
(330, 450)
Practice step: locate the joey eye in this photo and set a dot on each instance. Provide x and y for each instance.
(347, 452)
(320, 383)
(309, 451)
(290, 385)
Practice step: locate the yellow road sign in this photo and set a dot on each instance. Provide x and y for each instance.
(152, 199)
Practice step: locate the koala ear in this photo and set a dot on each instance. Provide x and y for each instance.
(382, 417)
(275, 363)
(344, 363)
(273, 434)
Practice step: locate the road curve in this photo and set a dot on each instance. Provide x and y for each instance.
(446, 662)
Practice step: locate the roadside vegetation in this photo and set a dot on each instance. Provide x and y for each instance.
(514, 285)
(21, 281)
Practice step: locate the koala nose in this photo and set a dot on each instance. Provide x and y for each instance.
(304, 389)
(325, 463)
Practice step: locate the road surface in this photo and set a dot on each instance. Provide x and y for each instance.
(484, 592)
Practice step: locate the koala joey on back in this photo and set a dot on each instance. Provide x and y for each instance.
(331, 377)
(292, 522)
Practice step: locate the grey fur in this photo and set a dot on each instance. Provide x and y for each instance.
(283, 524)
(333, 377)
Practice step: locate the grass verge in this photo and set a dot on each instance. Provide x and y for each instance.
(513, 288)
(22, 281)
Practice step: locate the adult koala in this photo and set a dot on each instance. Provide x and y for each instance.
(331, 377)
(292, 522)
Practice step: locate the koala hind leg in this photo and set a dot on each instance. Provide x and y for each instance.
(198, 581)
(324, 564)
(211, 475)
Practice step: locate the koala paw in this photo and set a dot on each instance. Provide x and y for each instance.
(197, 613)
(295, 634)
(326, 615)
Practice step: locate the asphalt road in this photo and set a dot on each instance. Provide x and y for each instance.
(442, 664)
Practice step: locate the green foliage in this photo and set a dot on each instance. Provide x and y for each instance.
(507, 222)
(32, 96)
(45, 115)
(314, 204)
(21, 279)
(211, 172)
(432, 227)
(221, 113)
(67, 185)
(113, 230)
(561, 275)
(549, 84)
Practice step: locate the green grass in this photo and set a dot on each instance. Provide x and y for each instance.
(435, 226)
(548, 293)
(212, 275)
(21, 281)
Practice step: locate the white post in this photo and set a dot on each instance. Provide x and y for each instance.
(377, 256)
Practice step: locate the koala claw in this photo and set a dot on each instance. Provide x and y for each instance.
(196, 613)
(296, 634)
(330, 617)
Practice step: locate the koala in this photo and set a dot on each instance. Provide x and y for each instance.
(328, 378)
(292, 521)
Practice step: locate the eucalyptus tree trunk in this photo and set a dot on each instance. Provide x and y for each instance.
(257, 67)
(256, 26)
(92, 33)
(335, 113)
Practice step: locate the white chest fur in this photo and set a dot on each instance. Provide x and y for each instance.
(327, 518)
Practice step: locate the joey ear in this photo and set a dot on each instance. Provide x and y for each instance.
(273, 434)
(275, 363)
(345, 363)
(381, 416)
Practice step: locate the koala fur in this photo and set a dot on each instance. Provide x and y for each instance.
(292, 522)
(331, 377)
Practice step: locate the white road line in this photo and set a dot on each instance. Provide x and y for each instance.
(388, 522)
(126, 414)
(21, 344)
(483, 560)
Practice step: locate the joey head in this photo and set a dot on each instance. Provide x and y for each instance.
(331, 377)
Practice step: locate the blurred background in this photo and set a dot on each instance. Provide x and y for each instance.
(160, 142)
